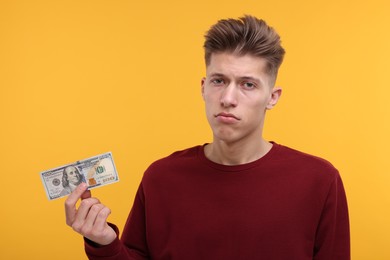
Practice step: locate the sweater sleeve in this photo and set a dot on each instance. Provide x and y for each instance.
(132, 245)
(332, 238)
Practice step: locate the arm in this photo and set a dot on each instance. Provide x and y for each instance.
(90, 220)
(332, 238)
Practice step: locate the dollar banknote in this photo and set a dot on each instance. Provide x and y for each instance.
(95, 171)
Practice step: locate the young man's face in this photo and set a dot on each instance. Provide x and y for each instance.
(237, 92)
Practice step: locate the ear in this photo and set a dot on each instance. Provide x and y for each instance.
(202, 86)
(276, 92)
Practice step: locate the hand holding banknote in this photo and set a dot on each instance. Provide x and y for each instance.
(96, 171)
(90, 218)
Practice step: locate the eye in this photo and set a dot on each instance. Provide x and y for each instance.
(249, 85)
(217, 82)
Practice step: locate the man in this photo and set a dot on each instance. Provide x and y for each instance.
(71, 178)
(239, 197)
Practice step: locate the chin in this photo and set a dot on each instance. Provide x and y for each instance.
(226, 137)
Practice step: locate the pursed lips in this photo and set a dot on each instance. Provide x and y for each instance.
(227, 117)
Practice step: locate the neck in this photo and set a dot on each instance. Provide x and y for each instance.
(236, 153)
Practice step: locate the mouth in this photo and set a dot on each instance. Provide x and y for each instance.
(227, 117)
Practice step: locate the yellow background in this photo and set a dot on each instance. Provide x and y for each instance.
(79, 78)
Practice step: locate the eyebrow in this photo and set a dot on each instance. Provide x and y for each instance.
(241, 78)
(251, 78)
(217, 75)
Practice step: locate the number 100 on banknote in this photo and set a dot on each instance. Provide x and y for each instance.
(95, 171)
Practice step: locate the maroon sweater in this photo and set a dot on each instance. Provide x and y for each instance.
(286, 205)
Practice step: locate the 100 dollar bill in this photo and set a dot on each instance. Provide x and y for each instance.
(95, 171)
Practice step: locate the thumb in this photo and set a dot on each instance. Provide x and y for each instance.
(87, 194)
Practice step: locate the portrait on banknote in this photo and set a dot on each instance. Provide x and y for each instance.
(71, 178)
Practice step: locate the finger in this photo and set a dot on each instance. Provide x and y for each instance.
(82, 213)
(70, 203)
(101, 232)
(87, 194)
(90, 219)
(101, 219)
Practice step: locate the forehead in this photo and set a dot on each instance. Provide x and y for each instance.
(70, 169)
(235, 64)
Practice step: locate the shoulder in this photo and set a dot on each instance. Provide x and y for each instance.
(306, 163)
(65, 191)
(177, 157)
(292, 156)
(175, 161)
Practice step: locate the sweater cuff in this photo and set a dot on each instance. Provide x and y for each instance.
(94, 249)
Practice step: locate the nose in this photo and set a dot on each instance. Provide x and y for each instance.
(229, 96)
